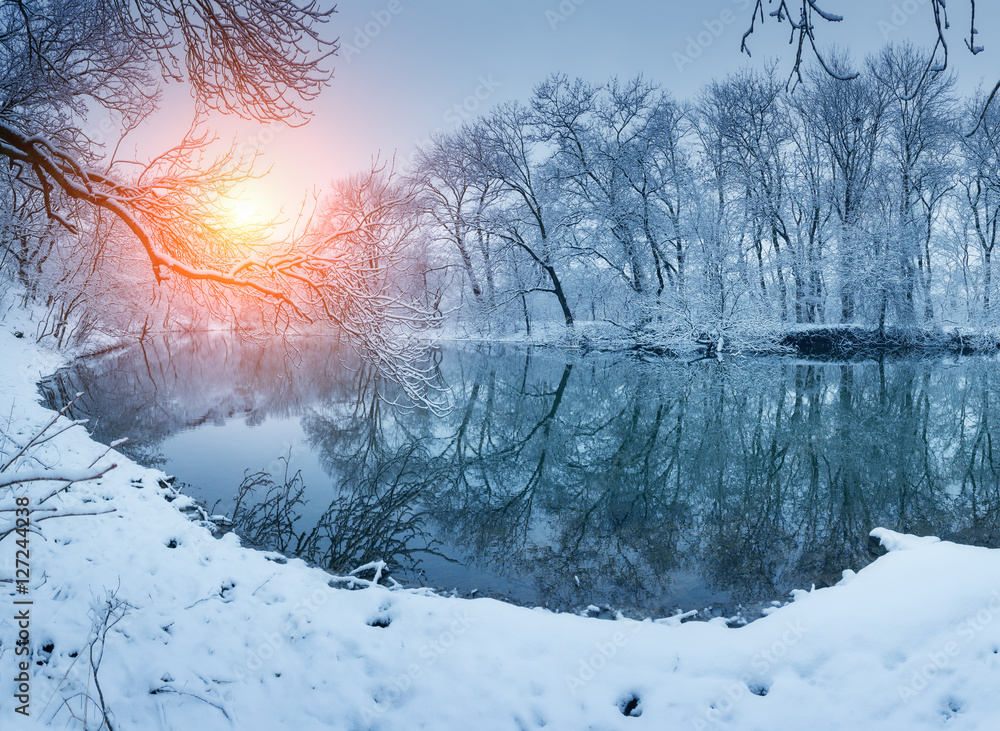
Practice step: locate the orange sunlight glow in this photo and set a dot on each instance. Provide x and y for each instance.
(241, 213)
(246, 223)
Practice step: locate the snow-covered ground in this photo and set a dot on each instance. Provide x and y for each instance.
(189, 631)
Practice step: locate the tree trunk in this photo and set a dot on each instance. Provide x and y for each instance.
(987, 282)
(560, 295)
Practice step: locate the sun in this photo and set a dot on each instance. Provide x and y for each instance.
(241, 212)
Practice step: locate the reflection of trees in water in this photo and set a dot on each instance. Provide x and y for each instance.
(976, 511)
(758, 476)
(164, 385)
(158, 388)
(545, 474)
(369, 520)
(378, 464)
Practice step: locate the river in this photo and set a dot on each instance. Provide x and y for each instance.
(560, 478)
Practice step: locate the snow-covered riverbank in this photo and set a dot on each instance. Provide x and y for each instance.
(190, 631)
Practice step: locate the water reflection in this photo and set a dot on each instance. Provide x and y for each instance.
(371, 519)
(567, 479)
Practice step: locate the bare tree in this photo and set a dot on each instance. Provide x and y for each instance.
(349, 269)
(711, 307)
(979, 185)
(616, 155)
(531, 217)
(848, 118)
(456, 196)
(811, 211)
(754, 132)
(918, 134)
(802, 15)
(260, 59)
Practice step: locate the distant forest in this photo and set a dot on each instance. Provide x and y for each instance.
(747, 211)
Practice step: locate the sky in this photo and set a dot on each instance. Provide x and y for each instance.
(408, 68)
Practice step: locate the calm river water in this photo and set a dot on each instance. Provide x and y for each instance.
(559, 478)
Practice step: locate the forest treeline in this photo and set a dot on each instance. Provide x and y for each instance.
(749, 211)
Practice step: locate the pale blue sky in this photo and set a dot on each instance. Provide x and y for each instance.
(408, 67)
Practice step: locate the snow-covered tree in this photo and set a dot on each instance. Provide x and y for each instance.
(918, 136)
(66, 61)
(979, 194)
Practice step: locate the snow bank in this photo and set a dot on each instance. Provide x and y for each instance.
(201, 633)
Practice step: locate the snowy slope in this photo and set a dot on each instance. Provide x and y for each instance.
(209, 635)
